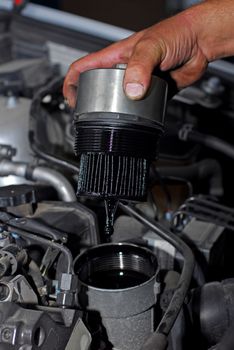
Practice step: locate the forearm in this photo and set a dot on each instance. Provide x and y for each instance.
(213, 23)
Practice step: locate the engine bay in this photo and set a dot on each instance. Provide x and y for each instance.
(165, 278)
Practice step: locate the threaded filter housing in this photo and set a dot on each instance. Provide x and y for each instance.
(116, 138)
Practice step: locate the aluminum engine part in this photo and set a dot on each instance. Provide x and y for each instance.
(17, 290)
(11, 258)
(45, 328)
(118, 288)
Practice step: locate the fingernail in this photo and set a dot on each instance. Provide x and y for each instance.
(134, 90)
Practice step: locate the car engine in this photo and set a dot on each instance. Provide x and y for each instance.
(164, 279)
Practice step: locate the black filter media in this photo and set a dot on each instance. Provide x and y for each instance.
(108, 175)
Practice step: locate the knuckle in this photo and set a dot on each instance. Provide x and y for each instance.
(73, 66)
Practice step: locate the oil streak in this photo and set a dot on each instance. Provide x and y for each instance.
(110, 207)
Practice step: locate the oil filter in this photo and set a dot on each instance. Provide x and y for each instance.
(116, 138)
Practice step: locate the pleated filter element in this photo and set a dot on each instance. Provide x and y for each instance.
(111, 176)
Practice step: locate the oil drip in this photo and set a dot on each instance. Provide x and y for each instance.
(110, 207)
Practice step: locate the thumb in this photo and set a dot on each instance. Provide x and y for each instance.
(146, 55)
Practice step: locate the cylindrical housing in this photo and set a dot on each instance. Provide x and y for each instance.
(101, 91)
(116, 137)
(118, 282)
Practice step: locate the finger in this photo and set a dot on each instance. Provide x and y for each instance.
(108, 57)
(147, 54)
(91, 61)
(191, 71)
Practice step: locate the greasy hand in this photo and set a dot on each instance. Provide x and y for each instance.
(183, 44)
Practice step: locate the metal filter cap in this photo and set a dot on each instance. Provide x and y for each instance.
(101, 91)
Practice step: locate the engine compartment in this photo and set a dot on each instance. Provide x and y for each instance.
(44, 227)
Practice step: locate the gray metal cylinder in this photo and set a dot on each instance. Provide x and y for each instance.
(101, 91)
(125, 307)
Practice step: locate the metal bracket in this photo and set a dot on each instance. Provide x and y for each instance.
(80, 338)
(7, 152)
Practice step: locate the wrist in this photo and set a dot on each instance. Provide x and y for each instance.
(213, 24)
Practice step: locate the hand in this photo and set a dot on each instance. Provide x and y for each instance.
(183, 45)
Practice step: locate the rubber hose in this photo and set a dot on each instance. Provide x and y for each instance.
(206, 169)
(212, 142)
